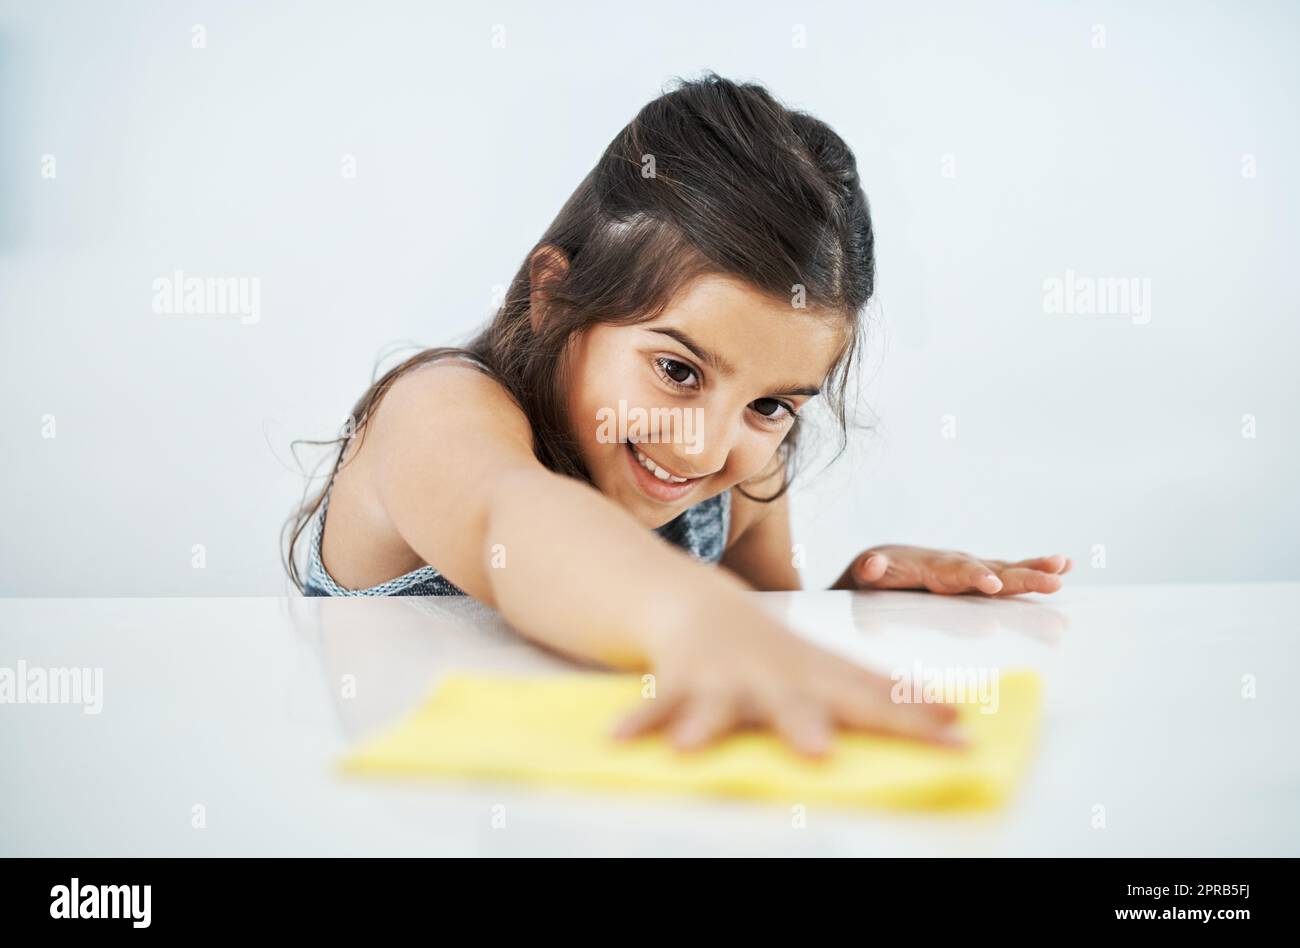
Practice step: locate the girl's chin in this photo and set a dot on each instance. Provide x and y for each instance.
(649, 513)
(645, 511)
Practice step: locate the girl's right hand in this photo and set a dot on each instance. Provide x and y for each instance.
(740, 667)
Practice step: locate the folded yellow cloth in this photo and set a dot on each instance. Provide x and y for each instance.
(555, 730)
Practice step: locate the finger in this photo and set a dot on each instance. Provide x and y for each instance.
(871, 568)
(704, 719)
(867, 710)
(869, 701)
(804, 725)
(865, 698)
(965, 574)
(650, 716)
(1017, 579)
(1056, 563)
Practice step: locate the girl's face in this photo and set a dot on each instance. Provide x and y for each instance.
(672, 411)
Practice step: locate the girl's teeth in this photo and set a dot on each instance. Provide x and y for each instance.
(657, 471)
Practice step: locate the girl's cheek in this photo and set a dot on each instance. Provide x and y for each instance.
(752, 458)
(761, 457)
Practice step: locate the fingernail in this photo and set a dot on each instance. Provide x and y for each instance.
(816, 747)
(689, 737)
(992, 580)
(953, 735)
(945, 712)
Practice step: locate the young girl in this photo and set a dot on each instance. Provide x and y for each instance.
(649, 369)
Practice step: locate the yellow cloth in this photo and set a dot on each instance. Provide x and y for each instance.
(555, 730)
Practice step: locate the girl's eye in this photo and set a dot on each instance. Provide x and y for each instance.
(772, 409)
(680, 375)
(676, 373)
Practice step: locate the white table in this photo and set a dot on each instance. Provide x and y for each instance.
(236, 705)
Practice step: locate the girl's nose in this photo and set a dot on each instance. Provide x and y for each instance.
(704, 450)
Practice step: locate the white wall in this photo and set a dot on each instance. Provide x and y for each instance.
(226, 161)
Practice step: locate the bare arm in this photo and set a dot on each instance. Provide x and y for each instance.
(558, 560)
(762, 555)
(454, 472)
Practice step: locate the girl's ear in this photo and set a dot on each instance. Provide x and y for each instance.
(546, 269)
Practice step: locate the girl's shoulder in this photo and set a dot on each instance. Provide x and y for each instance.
(450, 398)
(447, 374)
(436, 431)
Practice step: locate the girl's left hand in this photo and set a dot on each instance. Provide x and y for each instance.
(943, 571)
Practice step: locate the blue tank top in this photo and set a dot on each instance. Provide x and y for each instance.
(700, 530)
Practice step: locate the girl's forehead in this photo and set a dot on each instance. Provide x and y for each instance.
(745, 328)
(719, 296)
(719, 289)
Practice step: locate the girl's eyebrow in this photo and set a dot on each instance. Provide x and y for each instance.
(719, 364)
(722, 366)
(810, 390)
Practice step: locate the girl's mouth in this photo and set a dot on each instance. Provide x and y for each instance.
(663, 487)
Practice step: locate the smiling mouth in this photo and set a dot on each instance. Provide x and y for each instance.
(661, 473)
(658, 482)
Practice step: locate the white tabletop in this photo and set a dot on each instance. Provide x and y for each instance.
(237, 706)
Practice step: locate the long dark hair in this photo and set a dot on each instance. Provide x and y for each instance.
(713, 176)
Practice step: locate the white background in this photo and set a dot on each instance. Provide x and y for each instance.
(1072, 431)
